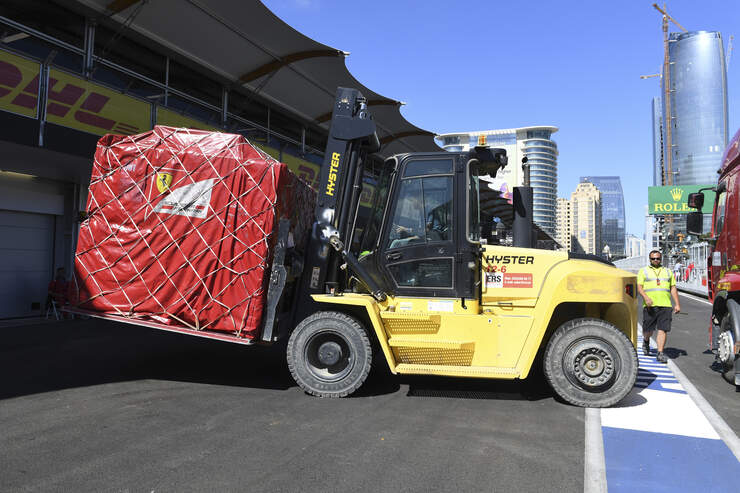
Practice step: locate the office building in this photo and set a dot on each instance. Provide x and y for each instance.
(612, 212)
(541, 152)
(635, 246)
(586, 219)
(563, 219)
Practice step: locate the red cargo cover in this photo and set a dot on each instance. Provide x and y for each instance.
(180, 229)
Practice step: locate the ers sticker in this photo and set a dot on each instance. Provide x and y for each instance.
(508, 280)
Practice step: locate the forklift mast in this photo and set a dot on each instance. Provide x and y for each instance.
(352, 136)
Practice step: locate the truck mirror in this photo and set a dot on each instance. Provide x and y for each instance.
(491, 160)
(694, 222)
(696, 200)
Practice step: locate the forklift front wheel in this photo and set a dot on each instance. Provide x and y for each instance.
(590, 363)
(329, 354)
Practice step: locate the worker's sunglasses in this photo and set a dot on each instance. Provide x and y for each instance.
(655, 258)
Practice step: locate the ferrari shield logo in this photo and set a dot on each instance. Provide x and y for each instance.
(164, 180)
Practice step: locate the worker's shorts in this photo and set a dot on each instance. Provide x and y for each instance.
(657, 317)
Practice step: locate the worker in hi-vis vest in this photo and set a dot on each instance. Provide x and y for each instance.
(656, 284)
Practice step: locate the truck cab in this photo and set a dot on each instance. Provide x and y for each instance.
(723, 263)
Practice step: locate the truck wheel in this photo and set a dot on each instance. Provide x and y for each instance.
(329, 354)
(726, 349)
(590, 363)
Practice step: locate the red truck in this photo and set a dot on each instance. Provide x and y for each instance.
(723, 263)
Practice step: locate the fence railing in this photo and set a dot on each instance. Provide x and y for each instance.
(691, 274)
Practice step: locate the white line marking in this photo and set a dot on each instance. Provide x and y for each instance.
(594, 464)
(696, 298)
(724, 431)
(672, 386)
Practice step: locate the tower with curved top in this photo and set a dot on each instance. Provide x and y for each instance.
(541, 151)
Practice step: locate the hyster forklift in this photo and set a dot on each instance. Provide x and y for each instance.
(417, 283)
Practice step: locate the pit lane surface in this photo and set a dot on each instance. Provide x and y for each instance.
(93, 406)
(90, 405)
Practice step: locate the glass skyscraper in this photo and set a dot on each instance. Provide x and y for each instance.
(698, 86)
(612, 211)
(542, 157)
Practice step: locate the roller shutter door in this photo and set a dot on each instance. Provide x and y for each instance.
(26, 253)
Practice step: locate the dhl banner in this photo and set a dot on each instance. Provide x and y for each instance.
(18, 92)
(77, 103)
(83, 105)
(309, 172)
(72, 102)
(171, 118)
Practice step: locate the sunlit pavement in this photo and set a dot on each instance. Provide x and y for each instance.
(662, 438)
(88, 406)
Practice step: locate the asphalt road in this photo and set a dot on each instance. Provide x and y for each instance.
(91, 405)
(688, 346)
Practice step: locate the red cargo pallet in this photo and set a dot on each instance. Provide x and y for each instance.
(180, 229)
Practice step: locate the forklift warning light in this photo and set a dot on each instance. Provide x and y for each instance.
(481, 140)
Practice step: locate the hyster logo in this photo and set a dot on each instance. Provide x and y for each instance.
(509, 259)
(676, 193)
(332, 182)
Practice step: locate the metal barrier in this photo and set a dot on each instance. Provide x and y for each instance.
(691, 277)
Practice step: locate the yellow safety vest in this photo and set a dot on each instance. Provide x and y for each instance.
(657, 284)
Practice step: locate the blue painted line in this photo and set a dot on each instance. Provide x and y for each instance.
(653, 375)
(658, 462)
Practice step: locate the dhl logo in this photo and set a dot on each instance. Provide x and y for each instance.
(72, 101)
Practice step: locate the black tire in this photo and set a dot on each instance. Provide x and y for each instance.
(329, 354)
(590, 363)
(728, 365)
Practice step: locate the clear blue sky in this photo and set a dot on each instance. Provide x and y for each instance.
(478, 65)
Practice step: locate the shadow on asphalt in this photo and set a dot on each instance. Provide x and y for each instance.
(533, 388)
(71, 354)
(675, 353)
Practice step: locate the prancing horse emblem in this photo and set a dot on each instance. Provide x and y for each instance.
(164, 180)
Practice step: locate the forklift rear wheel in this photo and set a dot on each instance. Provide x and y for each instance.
(590, 363)
(726, 350)
(329, 354)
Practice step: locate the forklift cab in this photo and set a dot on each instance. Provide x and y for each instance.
(423, 236)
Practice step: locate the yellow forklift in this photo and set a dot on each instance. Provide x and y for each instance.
(414, 281)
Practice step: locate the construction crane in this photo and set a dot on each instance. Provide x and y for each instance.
(667, 93)
(729, 54)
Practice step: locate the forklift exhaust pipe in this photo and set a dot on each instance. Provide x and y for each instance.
(523, 225)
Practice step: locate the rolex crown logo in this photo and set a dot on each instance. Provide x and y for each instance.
(676, 193)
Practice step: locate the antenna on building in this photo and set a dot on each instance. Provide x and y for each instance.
(729, 54)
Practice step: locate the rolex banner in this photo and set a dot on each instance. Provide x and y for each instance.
(673, 199)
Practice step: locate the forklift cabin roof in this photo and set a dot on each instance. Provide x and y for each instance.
(252, 49)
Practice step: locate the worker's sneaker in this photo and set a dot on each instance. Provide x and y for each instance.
(646, 347)
(661, 358)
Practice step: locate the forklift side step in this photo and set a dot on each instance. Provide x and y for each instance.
(429, 343)
(463, 371)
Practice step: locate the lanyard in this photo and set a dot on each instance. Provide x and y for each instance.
(657, 275)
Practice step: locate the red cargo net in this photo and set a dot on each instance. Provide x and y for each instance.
(181, 226)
